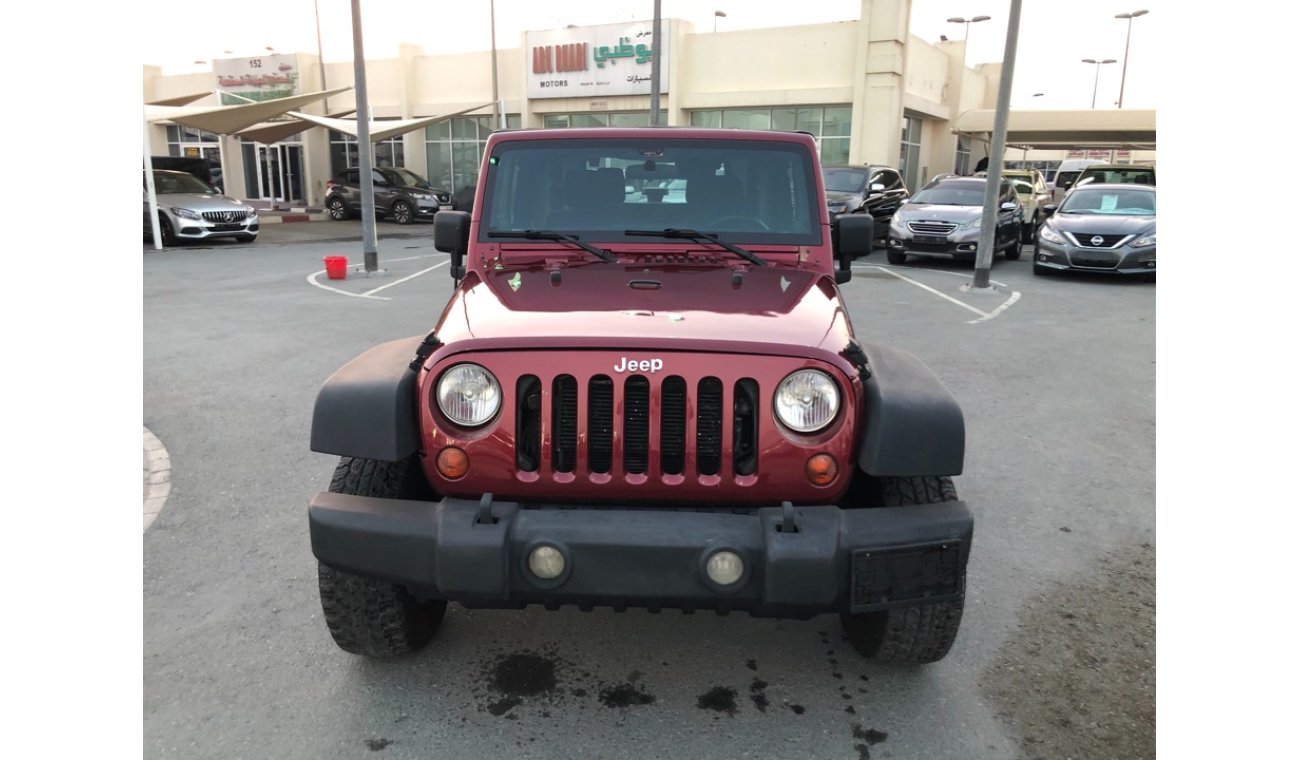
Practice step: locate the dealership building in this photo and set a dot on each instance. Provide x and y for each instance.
(867, 90)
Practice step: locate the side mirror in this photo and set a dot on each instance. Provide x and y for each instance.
(876, 187)
(451, 236)
(1049, 209)
(1008, 206)
(851, 235)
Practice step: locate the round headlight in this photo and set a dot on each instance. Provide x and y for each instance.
(469, 395)
(807, 400)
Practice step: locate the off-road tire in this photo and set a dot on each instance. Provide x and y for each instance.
(921, 633)
(369, 616)
(896, 257)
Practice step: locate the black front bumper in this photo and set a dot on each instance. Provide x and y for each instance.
(845, 560)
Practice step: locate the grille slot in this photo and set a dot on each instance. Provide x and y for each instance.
(564, 415)
(528, 423)
(745, 427)
(636, 425)
(708, 427)
(672, 426)
(600, 423)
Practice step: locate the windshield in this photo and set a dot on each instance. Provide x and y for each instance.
(166, 183)
(597, 189)
(844, 180)
(1110, 201)
(403, 178)
(1022, 187)
(1137, 175)
(951, 195)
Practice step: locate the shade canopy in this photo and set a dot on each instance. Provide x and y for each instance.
(1132, 129)
(181, 100)
(227, 120)
(381, 130)
(275, 131)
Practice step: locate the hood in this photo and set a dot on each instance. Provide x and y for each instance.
(835, 196)
(202, 202)
(916, 212)
(632, 305)
(1100, 224)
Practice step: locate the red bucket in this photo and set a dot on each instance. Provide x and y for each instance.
(336, 267)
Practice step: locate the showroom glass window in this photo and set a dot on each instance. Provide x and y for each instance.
(626, 119)
(193, 143)
(909, 153)
(962, 165)
(344, 152)
(829, 125)
(453, 148)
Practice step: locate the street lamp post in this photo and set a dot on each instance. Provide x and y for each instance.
(967, 22)
(1124, 74)
(717, 15)
(1096, 76)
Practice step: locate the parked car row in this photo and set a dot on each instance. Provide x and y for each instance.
(1103, 221)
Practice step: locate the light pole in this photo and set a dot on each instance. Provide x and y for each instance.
(717, 15)
(1096, 76)
(966, 39)
(1127, 35)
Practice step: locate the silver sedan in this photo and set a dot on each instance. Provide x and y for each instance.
(190, 209)
(1110, 229)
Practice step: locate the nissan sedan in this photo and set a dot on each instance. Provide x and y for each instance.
(1110, 229)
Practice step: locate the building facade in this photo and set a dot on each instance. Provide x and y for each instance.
(866, 90)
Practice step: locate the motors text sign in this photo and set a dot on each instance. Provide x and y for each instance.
(595, 61)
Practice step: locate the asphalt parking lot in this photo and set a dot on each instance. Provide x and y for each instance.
(1056, 654)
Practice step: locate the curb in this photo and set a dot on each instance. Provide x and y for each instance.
(157, 477)
(293, 216)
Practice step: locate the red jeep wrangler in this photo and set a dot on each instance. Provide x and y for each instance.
(644, 392)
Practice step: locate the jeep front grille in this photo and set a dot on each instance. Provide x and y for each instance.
(653, 414)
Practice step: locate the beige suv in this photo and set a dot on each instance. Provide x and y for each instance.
(1034, 194)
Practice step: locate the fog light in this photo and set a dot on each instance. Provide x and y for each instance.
(546, 562)
(821, 469)
(725, 568)
(452, 463)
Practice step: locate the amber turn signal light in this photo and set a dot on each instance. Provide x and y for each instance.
(452, 463)
(821, 469)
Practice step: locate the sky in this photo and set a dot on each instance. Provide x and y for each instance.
(1055, 35)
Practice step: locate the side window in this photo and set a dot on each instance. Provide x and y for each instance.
(350, 176)
(879, 177)
(892, 180)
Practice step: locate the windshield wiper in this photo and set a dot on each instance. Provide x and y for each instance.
(599, 253)
(700, 237)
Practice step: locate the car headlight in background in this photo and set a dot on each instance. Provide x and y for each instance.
(252, 213)
(1144, 241)
(896, 222)
(973, 224)
(468, 395)
(1050, 235)
(185, 213)
(806, 401)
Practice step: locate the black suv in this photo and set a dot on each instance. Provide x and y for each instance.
(400, 194)
(867, 189)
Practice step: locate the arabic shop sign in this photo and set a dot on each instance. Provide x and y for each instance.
(595, 61)
(266, 77)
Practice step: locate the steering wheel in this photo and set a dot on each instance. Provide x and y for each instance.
(740, 223)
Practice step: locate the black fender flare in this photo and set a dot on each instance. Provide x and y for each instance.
(914, 426)
(368, 408)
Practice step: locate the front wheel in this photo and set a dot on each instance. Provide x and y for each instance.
(1027, 232)
(920, 633)
(896, 257)
(402, 213)
(1012, 251)
(168, 232)
(370, 616)
(338, 209)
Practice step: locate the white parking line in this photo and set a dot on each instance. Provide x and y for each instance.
(408, 277)
(983, 317)
(311, 279)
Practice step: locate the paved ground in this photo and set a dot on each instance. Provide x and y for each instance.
(1057, 380)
